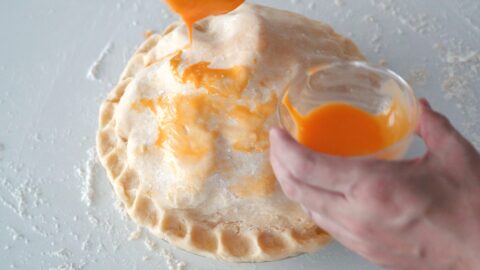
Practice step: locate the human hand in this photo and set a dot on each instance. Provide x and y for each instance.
(412, 214)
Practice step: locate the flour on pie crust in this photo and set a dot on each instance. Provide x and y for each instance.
(190, 161)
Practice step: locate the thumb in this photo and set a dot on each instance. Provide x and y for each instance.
(435, 129)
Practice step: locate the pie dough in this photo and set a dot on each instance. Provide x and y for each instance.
(184, 134)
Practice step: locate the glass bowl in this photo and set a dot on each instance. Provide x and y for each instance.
(358, 84)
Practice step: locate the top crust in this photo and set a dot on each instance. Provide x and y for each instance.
(226, 204)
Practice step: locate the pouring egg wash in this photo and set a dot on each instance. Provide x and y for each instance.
(192, 11)
(345, 117)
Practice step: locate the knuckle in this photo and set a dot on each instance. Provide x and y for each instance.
(377, 191)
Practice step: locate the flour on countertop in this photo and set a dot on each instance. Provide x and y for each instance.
(339, 3)
(87, 175)
(149, 244)
(37, 137)
(16, 235)
(377, 38)
(36, 229)
(417, 76)
(10, 206)
(94, 70)
(86, 243)
(461, 69)
(61, 253)
(93, 220)
(118, 205)
(135, 235)
(469, 21)
(462, 72)
(67, 266)
(18, 195)
(464, 57)
(420, 23)
(172, 262)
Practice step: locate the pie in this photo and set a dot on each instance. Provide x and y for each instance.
(184, 134)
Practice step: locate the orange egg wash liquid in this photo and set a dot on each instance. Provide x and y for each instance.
(341, 129)
(192, 11)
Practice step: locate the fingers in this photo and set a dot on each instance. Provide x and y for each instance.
(326, 172)
(335, 229)
(435, 129)
(444, 142)
(314, 198)
(361, 244)
(295, 189)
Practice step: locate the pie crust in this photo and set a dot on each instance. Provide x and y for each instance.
(189, 162)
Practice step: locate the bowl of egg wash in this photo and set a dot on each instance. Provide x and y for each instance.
(350, 109)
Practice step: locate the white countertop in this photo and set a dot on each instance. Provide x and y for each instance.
(48, 116)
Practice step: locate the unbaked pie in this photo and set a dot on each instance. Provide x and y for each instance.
(184, 134)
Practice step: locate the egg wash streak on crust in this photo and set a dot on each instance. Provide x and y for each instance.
(184, 122)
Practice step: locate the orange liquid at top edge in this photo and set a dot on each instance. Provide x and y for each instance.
(344, 130)
(192, 11)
